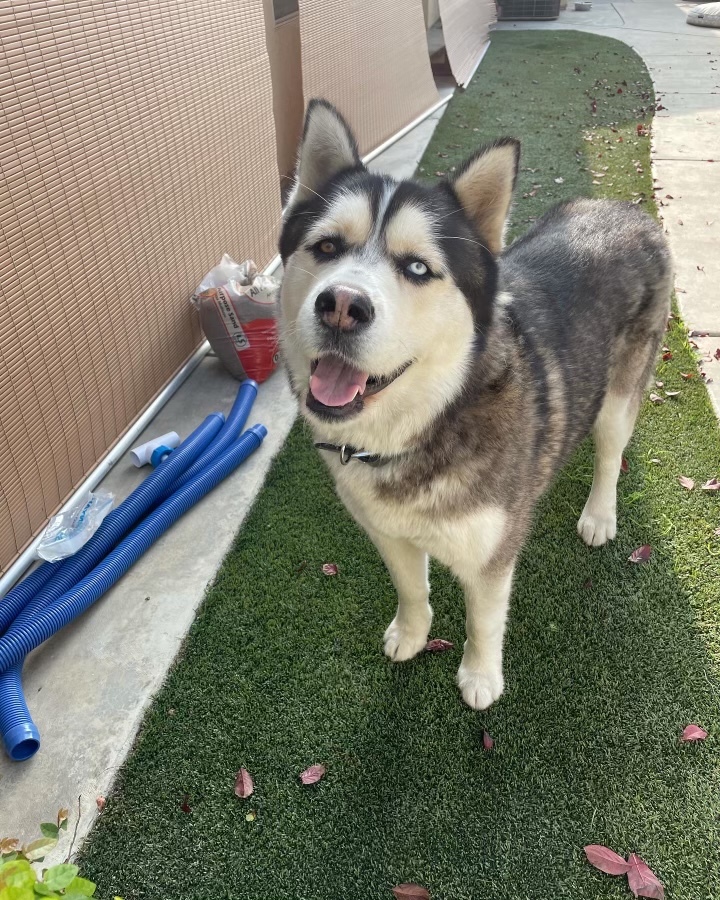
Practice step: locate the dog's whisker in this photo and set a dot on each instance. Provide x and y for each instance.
(470, 240)
(307, 188)
(300, 269)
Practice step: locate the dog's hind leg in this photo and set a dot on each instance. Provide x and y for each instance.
(407, 634)
(611, 432)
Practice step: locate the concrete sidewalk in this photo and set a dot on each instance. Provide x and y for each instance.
(684, 62)
(89, 686)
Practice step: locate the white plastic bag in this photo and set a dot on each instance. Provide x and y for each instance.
(67, 532)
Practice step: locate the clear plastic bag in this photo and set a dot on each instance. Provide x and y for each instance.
(67, 532)
(237, 306)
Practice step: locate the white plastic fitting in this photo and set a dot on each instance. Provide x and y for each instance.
(141, 455)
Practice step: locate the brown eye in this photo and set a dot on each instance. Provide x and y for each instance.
(327, 247)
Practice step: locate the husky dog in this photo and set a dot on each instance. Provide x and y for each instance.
(446, 379)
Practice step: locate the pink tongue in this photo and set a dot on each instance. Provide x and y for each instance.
(335, 382)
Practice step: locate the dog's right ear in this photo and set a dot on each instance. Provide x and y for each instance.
(327, 147)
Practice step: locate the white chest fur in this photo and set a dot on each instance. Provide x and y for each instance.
(459, 541)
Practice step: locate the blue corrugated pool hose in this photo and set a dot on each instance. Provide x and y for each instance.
(56, 593)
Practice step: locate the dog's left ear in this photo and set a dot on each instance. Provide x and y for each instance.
(484, 187)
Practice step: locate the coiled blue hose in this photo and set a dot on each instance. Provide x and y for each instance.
(24, 601)
(48, 600)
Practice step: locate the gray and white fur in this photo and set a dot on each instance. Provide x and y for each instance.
(467, 371)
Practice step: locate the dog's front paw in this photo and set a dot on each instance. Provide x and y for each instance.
(403, 641)
(597, 527)
(479, 687)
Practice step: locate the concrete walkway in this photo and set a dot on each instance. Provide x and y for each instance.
(89, 686)
(684, 62)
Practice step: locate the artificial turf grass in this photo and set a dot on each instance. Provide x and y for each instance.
(283, 666)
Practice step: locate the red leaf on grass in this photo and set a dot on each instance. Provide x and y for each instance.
(668, 354)
(624, 467)
(185, 805)
(687, 375)
(712, 485)
(686, 482)
(243, 784)
(488, 742)
(313, 774)
(606, 860)
(642, 881)
(693, 733)
(411, 892)
(438, 645)
(642, 554)
(330, 569)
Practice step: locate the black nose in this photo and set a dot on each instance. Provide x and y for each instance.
(344, 308)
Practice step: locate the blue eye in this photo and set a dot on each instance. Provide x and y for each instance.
(416, 268)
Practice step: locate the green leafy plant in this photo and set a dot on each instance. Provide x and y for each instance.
(20, 881)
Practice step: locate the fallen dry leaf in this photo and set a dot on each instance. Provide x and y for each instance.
(624, 467)
(438, 645)
(712, 485)
(243, 784)
(100, 803)
(667, 355)
(313, 774)
(642, 554)
(488, 742)
(642, 881)
(559, 181)
(693, 733)
(672, 393)
(716, 354)
(606, 860)
(411, 892)
(686, 482)
(330, 569)
(656, 398)
(659, 384)
(9, 845)
(62, 817)
(185, 805)
(686, 376)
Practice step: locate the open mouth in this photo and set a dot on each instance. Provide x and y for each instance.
(339, 389)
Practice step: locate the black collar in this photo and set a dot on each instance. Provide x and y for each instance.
(347, 453)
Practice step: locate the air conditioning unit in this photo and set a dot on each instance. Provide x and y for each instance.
(528, 9)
